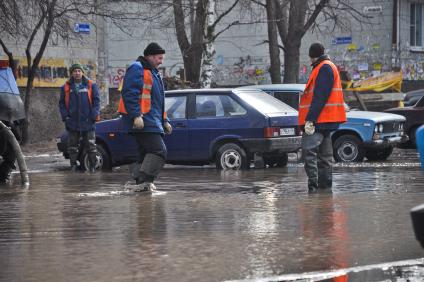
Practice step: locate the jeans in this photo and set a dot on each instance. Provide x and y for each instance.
(88, 143)
(318, 152)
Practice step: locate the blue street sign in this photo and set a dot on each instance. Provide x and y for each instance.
(82, 28)
(342, 40)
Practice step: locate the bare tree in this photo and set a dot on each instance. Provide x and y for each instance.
(34, 21)
(9, 12)
(274, 51)
(198, 50)
(295, 18)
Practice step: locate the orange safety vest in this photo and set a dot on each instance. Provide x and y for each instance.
(89, 92)
(334, 109)
(145, 97)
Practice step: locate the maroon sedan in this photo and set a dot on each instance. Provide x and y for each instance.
(414, 118)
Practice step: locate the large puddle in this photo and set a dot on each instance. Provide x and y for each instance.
(208, 225)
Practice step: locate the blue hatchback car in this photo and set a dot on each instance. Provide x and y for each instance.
(224, 126)
(365, 134)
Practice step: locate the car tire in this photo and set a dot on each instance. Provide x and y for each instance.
(378, 154)
(280, 160)
(103, 159)
(348, 148)
(231, 156)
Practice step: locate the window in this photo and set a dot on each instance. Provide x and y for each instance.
(175, 107)
(416, 25)
(290, 98)
(217, 106)
(264, 103)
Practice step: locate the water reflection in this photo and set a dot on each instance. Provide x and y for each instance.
(206, 225)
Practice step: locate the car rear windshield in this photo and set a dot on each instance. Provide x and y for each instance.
(264, 102)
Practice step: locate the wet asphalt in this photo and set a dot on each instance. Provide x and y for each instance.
(209, 225)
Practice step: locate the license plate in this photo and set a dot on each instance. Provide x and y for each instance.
(286, 131)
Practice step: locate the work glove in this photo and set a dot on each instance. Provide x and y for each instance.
(309, 128)
(138, 122)
(167, 127)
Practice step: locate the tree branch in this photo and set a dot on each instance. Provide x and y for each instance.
(220, 17)
(318, 8)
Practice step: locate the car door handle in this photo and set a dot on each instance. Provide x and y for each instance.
(180, 125)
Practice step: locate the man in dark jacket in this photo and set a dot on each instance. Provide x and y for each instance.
(80, 107)
(321, 110)
(143, 115)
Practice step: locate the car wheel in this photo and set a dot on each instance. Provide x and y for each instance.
(277, 161)
(231, 156)
(348, 148)
(378, 154)
(103, 159)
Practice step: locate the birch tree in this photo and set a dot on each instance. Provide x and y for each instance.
(202, 26)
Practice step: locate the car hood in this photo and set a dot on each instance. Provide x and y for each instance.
(374, 116)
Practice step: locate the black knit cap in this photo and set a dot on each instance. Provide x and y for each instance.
(316, 50)
(153, 49)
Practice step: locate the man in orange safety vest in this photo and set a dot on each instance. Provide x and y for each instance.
(321, 111)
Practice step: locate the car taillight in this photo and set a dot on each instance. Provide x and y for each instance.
(271, 132)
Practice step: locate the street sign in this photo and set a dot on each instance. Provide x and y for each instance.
(83, 28)
(342, 40)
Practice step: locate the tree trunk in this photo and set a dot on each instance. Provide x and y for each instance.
(12, 63)
(192, 63)
(291, 60)
(209, 50)
(33, 64)
(191, 52)
(197, 42)
(274, 51)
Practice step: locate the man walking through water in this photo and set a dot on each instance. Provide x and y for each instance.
(321, 111)
(142, 107)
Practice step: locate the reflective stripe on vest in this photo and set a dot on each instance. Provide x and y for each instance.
(334, 109)
(144, 97)
(68, 92)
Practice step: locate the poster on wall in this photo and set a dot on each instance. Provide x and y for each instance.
(52, 72)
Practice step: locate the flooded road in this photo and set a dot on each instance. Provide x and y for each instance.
(206, 225)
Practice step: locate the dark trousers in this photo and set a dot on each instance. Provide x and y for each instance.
(318, 152)
(152, 155)
(8, 163)
(88, 143)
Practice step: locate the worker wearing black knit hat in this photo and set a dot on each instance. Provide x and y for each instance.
(79, 106)
(153, 49)
(321, 111)
(144, 115)
(316, 50)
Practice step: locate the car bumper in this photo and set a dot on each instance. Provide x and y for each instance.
(391, 141)
(263, 145)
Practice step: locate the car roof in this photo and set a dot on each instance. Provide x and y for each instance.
(208, 90)
(200, 90)
(277, 87)
(413, 93)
